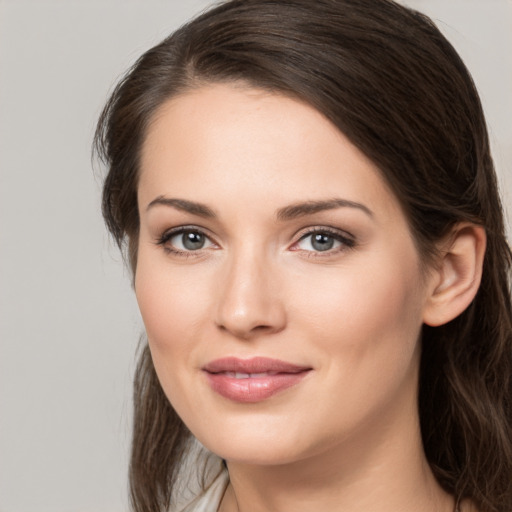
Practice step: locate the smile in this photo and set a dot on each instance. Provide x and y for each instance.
(252, 380)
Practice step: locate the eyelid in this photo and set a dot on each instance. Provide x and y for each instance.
(164, 238)
(346, 239)
(168, 233)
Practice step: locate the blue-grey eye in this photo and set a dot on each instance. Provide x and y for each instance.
(189, 241)
(319, 242)
(322, 242)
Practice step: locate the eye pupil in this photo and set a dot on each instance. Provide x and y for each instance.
(322, 242)
(193, 241)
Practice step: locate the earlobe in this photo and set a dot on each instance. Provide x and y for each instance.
(456, 278)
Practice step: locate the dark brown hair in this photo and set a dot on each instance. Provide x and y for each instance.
(388, 79)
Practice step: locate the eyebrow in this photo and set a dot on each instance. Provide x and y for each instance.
(294, 211)
(182, 204)
(290, 212)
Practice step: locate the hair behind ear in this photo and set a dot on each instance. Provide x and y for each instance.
(465, 392)
(159, 441)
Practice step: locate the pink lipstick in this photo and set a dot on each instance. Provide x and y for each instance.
(252, 380)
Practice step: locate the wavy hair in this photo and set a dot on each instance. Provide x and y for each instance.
(390, 81)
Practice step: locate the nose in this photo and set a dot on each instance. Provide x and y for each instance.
(250, 302)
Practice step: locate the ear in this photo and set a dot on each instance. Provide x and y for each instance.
(456, 278)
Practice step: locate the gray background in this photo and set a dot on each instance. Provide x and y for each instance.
(68, 320)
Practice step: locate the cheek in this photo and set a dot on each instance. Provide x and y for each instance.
(367, 317)
(385, 299)
(364, 326)
(357, 298)
(172, 306)
(172, 310)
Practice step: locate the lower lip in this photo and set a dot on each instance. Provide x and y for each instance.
(253, 389)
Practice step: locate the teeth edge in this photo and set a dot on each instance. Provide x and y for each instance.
(241, 375)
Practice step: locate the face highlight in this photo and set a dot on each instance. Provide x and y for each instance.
(278, 281)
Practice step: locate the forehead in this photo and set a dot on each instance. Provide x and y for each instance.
(225, 140)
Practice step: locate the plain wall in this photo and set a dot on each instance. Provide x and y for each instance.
(69, 324)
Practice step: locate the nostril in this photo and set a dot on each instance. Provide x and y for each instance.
(249, 332)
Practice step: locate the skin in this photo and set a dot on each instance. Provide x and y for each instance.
(347, 436)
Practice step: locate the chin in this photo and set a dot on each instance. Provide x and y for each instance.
(257, 454)
(257, 444)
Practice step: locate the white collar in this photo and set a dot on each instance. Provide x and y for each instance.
(210, 500)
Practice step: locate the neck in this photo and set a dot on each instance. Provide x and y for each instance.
(382, 468)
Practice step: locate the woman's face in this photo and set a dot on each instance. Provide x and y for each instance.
(277, 278)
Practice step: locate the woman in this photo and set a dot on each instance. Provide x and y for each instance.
(310, 212)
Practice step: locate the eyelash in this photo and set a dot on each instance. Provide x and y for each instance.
(167, 235)
(347, 241)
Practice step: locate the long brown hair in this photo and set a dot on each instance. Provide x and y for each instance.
(388, 79)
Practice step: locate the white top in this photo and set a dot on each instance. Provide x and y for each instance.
(210, 500)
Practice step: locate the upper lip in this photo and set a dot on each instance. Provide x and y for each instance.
(253, 365)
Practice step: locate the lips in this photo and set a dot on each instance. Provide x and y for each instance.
(252, 380)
